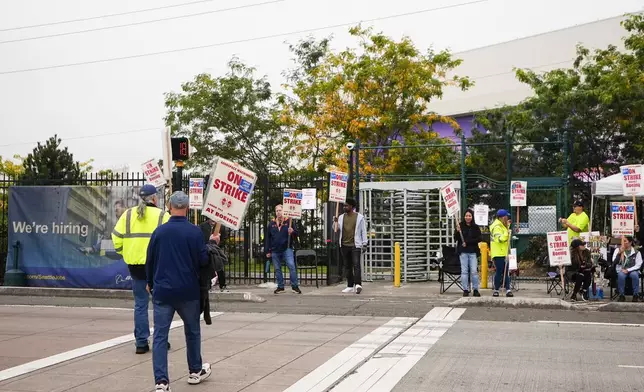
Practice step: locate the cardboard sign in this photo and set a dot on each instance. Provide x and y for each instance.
(292, 203)
(309, 199)
(632, 180)
(622, 218)
(153, 173)
(519, 194)
(229, 192)
(451, 201)
(481, 214)
(512, 260)
(558, 249)
(196, 193)
(338, 186)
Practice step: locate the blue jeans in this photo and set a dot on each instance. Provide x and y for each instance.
(286, 257)
(499, 264)
(141, 320)
(468, 266)
(189, 312)
(621, 282)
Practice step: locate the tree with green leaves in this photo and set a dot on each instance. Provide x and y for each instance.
(378, 93)
(49, 163)
(232, 116)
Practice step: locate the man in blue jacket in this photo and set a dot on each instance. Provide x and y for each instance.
(280, 236)
(175, 254)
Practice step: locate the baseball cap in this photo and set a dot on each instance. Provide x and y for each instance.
(502, 213)
(179, 200)
(576, 243)
(147, 190)
(578, 203)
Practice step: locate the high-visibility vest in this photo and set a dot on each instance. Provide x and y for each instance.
(131, 235)
(499, 239)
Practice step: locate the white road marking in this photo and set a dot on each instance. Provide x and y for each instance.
(330, 372)
(385, 369)
(79, 352)
(67, 307)
(630, 367)
(589, 323)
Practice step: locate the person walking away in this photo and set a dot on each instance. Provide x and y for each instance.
(468, 236)
(175, 255)
(207, 228)
(281, 234)
(628, 263)
(353, 239)
(577, 222)
(581, 269)
(131, 237)
(499, 245)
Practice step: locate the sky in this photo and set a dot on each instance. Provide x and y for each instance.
(112, 111)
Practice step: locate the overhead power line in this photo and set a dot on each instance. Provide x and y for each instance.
(265, 37)
(89, 136)
(106, 15)
(139, 23)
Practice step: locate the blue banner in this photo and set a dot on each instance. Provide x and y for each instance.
(64, 235)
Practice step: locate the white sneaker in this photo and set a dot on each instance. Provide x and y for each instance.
(358, 289)
(196, 378)
(162, 388)
(348, 290)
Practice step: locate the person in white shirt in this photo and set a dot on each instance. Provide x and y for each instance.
(353, 239)
(628, 263)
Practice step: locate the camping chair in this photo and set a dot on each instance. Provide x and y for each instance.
(553, 282)
(303, 253)
(449, 268)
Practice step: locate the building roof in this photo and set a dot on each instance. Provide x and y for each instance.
(491, 67)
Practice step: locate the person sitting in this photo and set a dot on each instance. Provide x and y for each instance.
(581, 270)
(628, 263)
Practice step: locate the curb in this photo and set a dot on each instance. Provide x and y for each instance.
(503, 302)
(621, 307)
(239, 296)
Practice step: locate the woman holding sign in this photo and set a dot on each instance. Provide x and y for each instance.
(468, 236)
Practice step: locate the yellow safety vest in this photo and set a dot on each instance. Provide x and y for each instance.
(499, 239)
(131, 235)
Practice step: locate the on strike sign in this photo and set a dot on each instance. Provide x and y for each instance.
(558, 249)
(153, 173)
(196, 193)
(632, 180)
(229, 193)
(292, 203)
(451, 201)
(338, 186)
(622, 218)
(518, 194)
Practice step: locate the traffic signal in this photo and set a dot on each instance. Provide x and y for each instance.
(180, 148)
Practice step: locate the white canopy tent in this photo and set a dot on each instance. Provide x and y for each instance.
(609, 188)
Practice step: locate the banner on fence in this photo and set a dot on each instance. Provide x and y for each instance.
(153, 173)
(481, 214)
(65, 234)
(196, 193)
(338, 186)
(622, 218)
(518, 194)
(632, 180)
(451, 200)
(229, 193)
(309, 199)
(558, 249)
(292, 203)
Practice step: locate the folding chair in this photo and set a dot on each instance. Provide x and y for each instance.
(553, 283)
(303, 253)
(449, 268)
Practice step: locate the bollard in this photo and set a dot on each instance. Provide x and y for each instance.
(397, 264)
(484, 256)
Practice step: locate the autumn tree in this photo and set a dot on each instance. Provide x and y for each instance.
(378, 93)
(232, 116)
(50, 163)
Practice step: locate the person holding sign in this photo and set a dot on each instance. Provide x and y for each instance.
(499, 246)
(577, 222)
(353, 239)
(279, 243)
(628, 263)
(468, 236)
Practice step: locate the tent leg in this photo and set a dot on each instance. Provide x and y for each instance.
(592, 209)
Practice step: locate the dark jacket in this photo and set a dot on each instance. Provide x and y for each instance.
(472, 236)
(216, 260)
(277, 238)
(175, 255)
(206, 230)
(580, 262)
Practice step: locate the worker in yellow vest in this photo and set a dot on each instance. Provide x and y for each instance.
(499, 244)
(131, 237)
